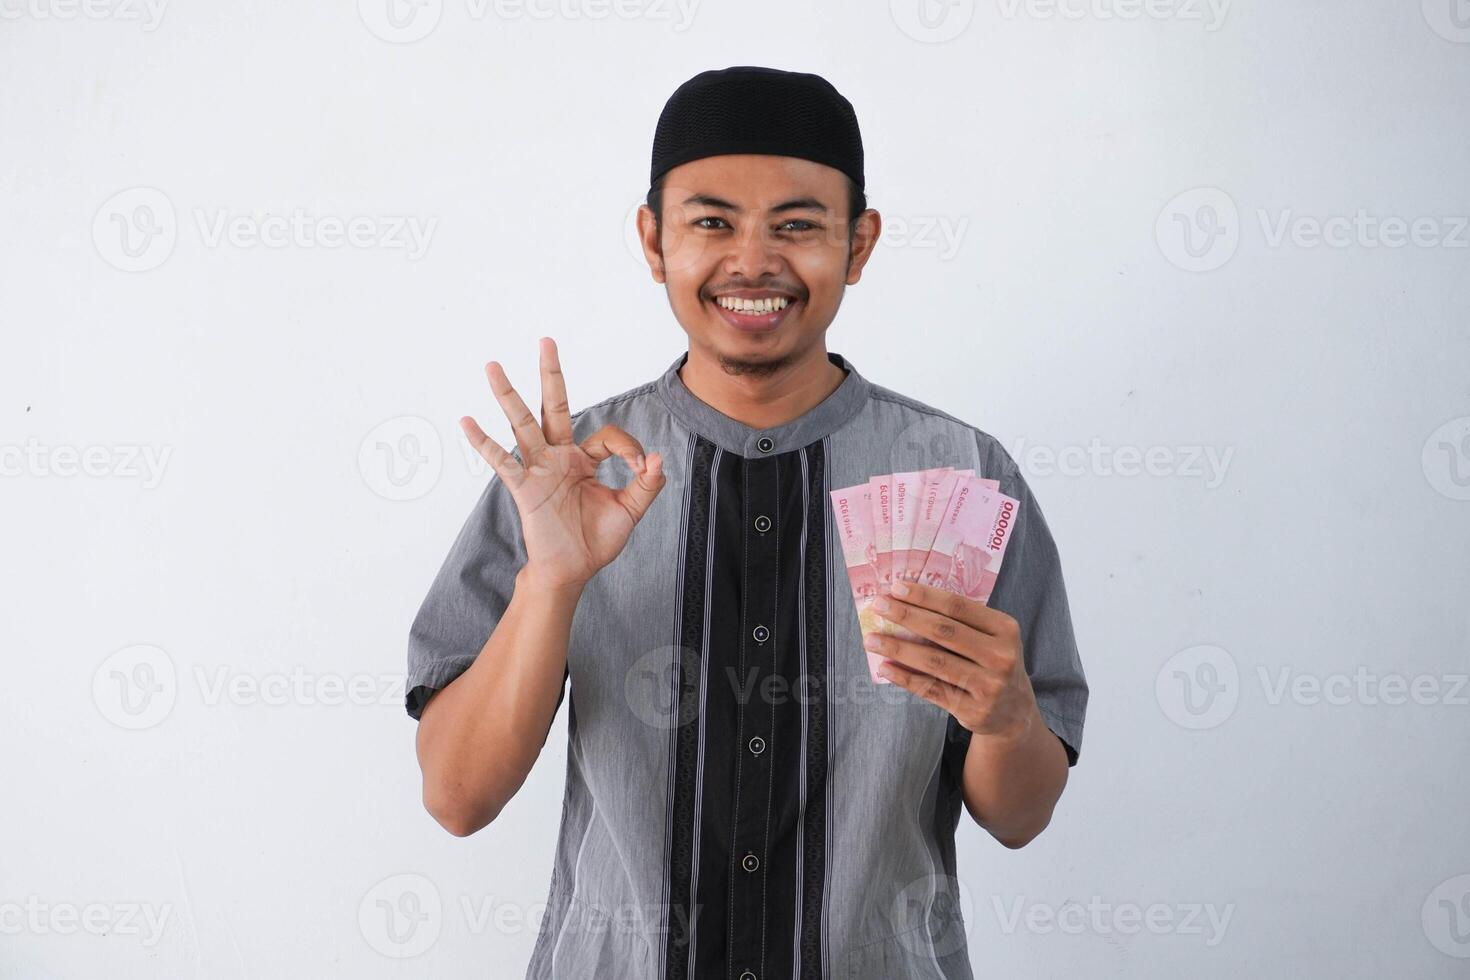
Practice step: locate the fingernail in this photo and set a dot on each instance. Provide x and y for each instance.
(882, 604)
(640, 461)
(871, 642)
(899, 588)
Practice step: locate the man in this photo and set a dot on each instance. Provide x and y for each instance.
(742, 800)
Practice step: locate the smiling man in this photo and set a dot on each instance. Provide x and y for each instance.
(742, 801)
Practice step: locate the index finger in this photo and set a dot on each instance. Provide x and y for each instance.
(522, 422)
(972, 612)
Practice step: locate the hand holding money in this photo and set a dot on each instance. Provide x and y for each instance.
(968, 659)
(943, 528)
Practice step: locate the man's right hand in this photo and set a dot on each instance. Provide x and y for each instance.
(572, 524)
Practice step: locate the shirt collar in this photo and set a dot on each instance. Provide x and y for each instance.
(737, 437)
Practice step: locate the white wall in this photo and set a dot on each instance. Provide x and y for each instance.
(1042, 290)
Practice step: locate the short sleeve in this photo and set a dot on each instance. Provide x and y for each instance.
(467, 597)
(1030, 589)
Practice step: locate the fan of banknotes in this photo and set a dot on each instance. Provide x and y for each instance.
(942, 527)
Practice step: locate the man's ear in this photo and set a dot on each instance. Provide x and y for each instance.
(865, 234)
(648, 238)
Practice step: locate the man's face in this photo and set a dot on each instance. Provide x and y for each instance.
(755, 255)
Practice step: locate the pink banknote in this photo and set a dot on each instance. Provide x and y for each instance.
(853, 508)
(943, 527)
(972, 541)
(934, 500)
(880, 490)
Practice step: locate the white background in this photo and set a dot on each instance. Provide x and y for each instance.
(1035, 281)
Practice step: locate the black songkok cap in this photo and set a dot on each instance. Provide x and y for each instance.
(758, 110)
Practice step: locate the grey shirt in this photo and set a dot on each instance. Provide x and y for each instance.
(741, 800)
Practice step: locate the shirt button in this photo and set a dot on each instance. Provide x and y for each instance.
(747, 975)
(764, 444)
(763, 524)
(750, 862)
(761, 634)
(757, 745)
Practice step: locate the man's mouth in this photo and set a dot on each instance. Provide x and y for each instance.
(754, 310)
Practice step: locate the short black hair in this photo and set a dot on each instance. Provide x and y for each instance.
(857, 203)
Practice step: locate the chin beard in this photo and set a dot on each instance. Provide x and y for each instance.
(743, 367)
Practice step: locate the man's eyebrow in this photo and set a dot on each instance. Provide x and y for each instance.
(795, 204)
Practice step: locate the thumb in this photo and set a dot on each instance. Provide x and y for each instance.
(645, 485)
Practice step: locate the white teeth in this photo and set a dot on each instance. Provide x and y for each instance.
(753, 306)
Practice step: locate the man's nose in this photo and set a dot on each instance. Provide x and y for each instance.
(753, 254)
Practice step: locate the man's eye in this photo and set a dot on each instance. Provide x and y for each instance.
(800, 225)
(700, 222)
